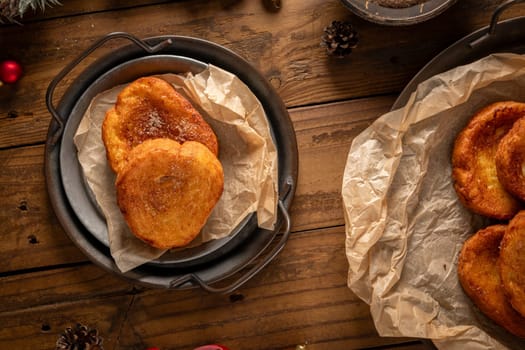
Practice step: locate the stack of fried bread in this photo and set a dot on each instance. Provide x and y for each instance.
(169, 177)
(488, 166)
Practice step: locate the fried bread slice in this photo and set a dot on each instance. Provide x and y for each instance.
(480, 278)
(473, 161)
(510, 160)
(512, 262)
(166, 190)
(150, 108)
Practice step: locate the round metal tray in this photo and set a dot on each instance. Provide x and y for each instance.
(73, 203)
(373, 12)
(499, 37)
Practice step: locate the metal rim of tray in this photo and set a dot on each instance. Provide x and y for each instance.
(256, 247)
(497, 37)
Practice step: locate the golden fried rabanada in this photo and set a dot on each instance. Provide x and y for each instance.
(473, 161)
(166, 190)
(149, 108)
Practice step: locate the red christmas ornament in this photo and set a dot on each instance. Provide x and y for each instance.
(212, 347)
(10, 71)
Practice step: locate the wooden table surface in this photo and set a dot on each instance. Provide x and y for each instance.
(301, 297)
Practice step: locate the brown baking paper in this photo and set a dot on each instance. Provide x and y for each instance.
(246, 150)
(404, 223)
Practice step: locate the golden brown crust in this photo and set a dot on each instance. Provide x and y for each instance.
(512, 262)
(479, 276)
(166, 191)
(151, 108)
(473, 161)
(510, 159)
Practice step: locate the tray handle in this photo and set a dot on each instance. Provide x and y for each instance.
(51, 88)
(494, 21)
(193, 278)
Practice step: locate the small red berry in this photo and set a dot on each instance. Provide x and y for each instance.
(10, 71)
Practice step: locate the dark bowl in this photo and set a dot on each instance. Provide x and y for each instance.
(373, 12)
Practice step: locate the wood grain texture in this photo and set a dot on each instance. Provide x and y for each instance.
(31, 235)
(62, 284)
(79, 7)
(300, 298)
(291, 58)
(40, 327)
(325, 134)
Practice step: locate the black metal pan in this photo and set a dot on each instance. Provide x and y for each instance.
(506, 36)
(72, 200)
(498, 37)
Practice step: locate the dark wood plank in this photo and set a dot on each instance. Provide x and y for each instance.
(65, 284)
(40, 327)
(77, 7)
(31, 235)
(324, 135)
(291, 58)
(300, 297)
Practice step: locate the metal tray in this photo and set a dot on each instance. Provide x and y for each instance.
(74, 205)
(498, 37)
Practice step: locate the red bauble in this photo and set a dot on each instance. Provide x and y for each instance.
(10, 71)
(212, 347)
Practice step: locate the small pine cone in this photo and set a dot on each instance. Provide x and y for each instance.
(79, 338)
(340, 38)
(272, 5)
(8, 10)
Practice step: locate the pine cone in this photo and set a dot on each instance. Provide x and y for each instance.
(8, 10)
(79, 338)
(340, 38)
(272, 5)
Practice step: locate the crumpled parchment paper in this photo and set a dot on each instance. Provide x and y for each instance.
(404, 223)
(246, 150)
